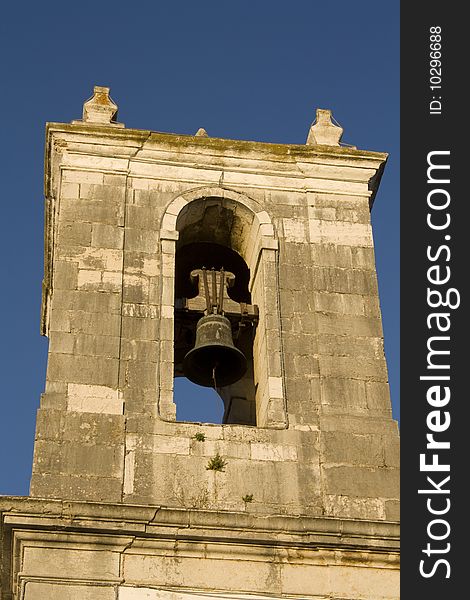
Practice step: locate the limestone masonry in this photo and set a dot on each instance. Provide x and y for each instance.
(296, 494)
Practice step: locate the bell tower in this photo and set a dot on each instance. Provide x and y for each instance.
(244, 266)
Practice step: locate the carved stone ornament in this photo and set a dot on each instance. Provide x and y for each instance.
(324, 131)
(100, 108)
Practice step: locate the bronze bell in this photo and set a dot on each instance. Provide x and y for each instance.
(214, 361)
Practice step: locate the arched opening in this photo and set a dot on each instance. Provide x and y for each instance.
(226, 227)
(211, 276)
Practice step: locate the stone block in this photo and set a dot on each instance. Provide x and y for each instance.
(95, 323)
(362, 481)
(138, 374)
(98, 259)
(190, 572)
(75, 487)
(343, 394)
(90, 370)
(273, 452)
(55, 562)
(378, 396)
(305, 580)
(111, 281)
(308, 322)
(363, 258)
(142, 263)
(77, 176)
(326, 213)
(143, 217)
(135, 328)
(322, 200)
(352, 449)
(74, 234)
(340, 232)
(53, 400)
(65, 275)
(294, 230)
(293, 341)
(62, 342)
(73, 458)
(115, 179)
(97, 191)
(351, 507)
(65, 591)
(392, 450)
(294, 278)
(355, 347)
(302, 303)
(364, 282)
(358, 422)
(56, 387)
(295, 253)
(97, 345)
(137, 240)
(372, 306)
(356, 215)
(91, 428)
(69, 190)
(49, 424)
(170, 479)
(140, 402)
(345, 281)
(330, 255)
(94, 399)
(89, 211)
(392, 510)
(139, 350)
(357, 326)
(88, 301)
(297, 488)
(146, 197)
(88, 280)
(303, 409)
(139, 183)
(352, 582)
(226, 448)
(141, 311)
(167, 444)
(106, 236)
(353, 367)
(347, 304)
(355, 583)
(298, 389)
(135, 288)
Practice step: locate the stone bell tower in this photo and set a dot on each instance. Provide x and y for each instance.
(149, 236)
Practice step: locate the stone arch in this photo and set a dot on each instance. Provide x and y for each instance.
(262, 227)
(255, 240)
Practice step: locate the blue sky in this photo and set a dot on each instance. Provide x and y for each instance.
(245, 70)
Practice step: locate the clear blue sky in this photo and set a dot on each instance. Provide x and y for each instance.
(253, 70)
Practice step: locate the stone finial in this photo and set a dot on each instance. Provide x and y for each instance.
(201, 132)
(323, 130)
(100, 109)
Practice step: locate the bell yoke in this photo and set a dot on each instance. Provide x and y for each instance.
(215, 361)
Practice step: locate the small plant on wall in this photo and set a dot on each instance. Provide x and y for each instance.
(200, 437)
(216, 463)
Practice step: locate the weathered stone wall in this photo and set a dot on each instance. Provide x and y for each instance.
(123, 503)
(75, 551)
(327, 445)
